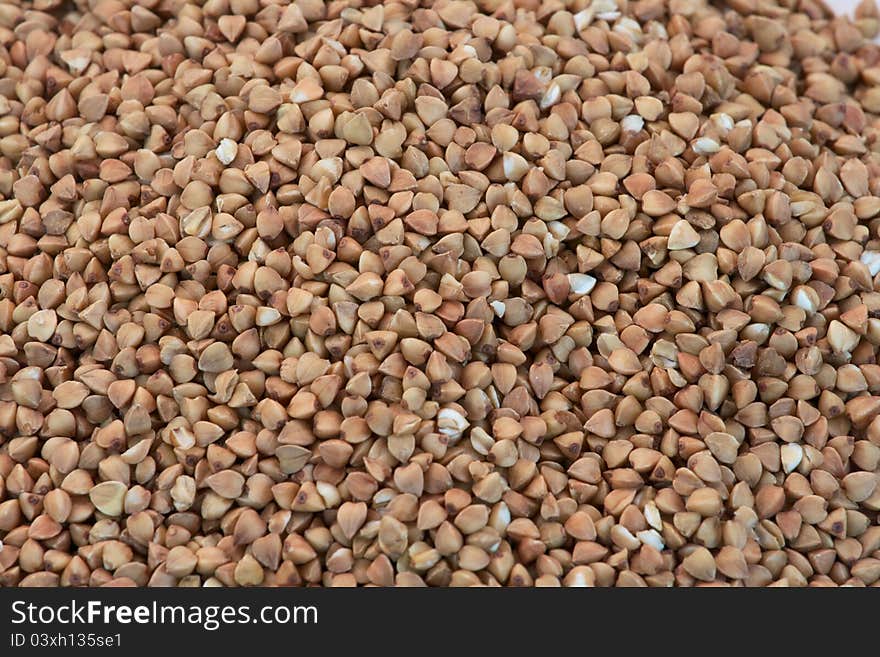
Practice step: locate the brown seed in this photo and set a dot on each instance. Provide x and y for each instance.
(392, 536)
(438, 297)
(859, 486)
(700, 564)
(624, 361)
(226, 483)
(731, 563)
(656, 203)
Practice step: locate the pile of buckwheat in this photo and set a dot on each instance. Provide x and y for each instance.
(501, 292)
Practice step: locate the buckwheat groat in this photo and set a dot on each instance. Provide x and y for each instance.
(518, 293)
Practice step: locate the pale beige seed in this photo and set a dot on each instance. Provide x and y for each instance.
(108, 497)
(226, 151)
(42, 324)
(216, 358)
(682, 236)
(656, 203)
(226, 483)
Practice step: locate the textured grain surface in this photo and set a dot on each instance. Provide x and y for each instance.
(452, 293)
